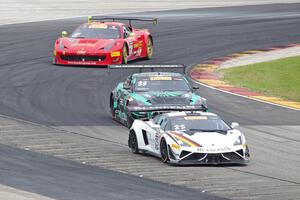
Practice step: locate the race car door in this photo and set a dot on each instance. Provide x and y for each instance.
(134, 43)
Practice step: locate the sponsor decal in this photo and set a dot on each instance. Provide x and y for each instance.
(157, 139)
(137, 108)
(195, 117)
(115, 54)
(214, 150)
(160, 78)
(102, 26)
(81, 63)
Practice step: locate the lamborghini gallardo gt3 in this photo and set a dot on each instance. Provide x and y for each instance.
(189, 138)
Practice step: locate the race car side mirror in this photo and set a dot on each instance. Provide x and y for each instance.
(126, 87)
(132, 34)
(234, 125)
(64, 34)
(155, 126)
(195, 88)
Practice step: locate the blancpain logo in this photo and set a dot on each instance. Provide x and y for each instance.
(203, 149)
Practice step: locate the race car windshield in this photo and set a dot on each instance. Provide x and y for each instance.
(99, 31)
(193, 124)
(161, 84)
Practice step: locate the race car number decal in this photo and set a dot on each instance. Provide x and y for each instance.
(142, 83)
(180, 127)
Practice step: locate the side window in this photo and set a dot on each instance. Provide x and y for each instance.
(167, 126)
(164, 123)
(127, 82)
(159, 120)
(126, 31)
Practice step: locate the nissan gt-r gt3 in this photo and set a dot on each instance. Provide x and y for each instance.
(142, 93)
(189, 138)
(102, 43)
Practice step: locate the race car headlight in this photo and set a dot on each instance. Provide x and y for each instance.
(175, 146)
(238, 141)
(131, 102)
(108, 47)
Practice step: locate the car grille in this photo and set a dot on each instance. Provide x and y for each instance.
(83, 58)
(193, 156)
(232, 156)
(210, 157)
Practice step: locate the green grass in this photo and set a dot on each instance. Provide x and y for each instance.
(279, 78)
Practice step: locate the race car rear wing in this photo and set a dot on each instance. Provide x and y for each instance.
(151, 67)
(120, 18)
(167, 108)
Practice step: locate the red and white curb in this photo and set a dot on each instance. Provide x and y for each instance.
(204, 74)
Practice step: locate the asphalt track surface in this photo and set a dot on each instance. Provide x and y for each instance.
(76, 98)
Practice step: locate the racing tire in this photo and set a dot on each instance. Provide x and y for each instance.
(124, 55)
(132, 142)
(149, 49)
(164, 151)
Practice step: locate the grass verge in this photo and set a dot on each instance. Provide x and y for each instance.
(280, 78)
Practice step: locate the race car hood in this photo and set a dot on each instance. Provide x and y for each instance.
(210, 142)
(86, 45)
(166, 98)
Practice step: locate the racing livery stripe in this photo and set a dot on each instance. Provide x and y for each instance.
(185, 139)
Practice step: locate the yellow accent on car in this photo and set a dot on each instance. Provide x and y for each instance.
(176, 146)
(115, 54)
(97, 25)
(195, 117)
(89, 19)
(160, 78)
(54, 53)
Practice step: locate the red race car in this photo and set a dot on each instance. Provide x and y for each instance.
(101, 42)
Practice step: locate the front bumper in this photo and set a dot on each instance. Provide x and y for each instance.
(189, 158)
(89, 59)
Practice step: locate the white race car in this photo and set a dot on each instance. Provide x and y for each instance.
(189, 138)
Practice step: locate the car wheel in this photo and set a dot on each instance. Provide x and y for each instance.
(149, 48)
(164, 151)
(124, 55)
(132, 142)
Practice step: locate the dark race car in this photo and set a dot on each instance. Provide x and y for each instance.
(101, 42)
(143, 94)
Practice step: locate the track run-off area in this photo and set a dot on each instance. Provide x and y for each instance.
(64, 112)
